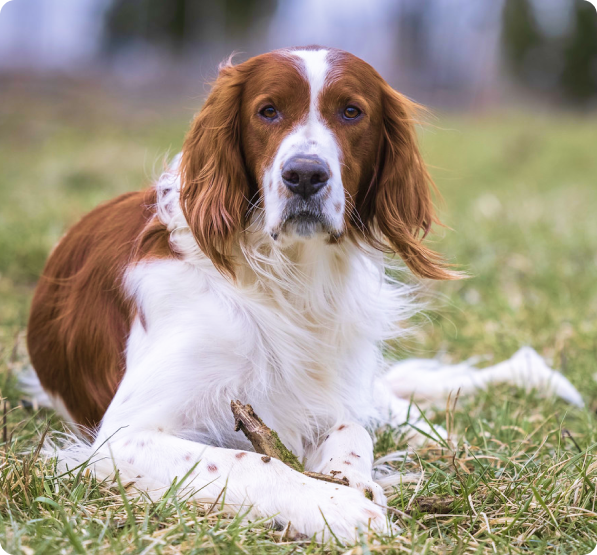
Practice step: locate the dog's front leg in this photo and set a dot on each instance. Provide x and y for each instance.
(346, 453)
(244, 482)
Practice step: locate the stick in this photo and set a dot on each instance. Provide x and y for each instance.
(266, 441)
(263, 439)
(327, 478)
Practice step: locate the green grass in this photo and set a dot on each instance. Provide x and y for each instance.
(520, 195)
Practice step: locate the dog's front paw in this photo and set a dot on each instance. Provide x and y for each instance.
(312, 507)
(339, 511)
(355, 478)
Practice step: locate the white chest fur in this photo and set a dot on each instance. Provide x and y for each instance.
(204, 341)
(298, 336)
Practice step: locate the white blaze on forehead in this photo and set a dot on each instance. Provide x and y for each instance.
(316, 69)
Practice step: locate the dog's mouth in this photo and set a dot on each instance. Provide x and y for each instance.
(306, 223)
(305, 219)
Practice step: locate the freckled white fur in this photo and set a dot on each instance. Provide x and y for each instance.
(299, 336)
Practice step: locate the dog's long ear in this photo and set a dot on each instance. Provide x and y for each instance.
(214, 182)
(399, 202)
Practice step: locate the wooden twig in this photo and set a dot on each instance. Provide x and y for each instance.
(266, 442)
(327, 478)
(263, 439)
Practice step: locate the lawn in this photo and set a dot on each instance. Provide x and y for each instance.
(520, 196)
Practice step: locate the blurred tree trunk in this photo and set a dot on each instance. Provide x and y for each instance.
(178, 24)
(579, 77)
(563, 66)
(520, 35)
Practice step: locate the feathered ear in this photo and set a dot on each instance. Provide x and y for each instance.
(214, 182)
(399, 202)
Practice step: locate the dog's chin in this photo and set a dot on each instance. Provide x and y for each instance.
(305, 225)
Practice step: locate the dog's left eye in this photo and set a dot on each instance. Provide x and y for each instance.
(351, 112)
(269, 112)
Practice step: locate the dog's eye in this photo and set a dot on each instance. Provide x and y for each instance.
(269, 112)
(351, 112)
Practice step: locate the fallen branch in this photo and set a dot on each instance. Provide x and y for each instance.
(266, 442)
(328, 478)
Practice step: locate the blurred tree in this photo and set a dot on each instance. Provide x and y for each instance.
(563, 64)
(177, 24)
(579, 77)
(520, 34)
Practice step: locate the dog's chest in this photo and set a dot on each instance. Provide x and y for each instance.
(300, 368)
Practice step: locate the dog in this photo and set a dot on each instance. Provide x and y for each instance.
(255, 268)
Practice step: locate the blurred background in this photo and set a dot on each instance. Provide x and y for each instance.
(94, 94)
(466, 54)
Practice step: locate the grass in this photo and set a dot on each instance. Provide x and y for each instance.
(520, 197)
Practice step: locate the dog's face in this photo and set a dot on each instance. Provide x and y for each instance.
(311, 134)
(307, 144)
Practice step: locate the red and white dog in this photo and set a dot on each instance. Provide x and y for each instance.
(253, 269)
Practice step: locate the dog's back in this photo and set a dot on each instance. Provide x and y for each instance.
(80, 318)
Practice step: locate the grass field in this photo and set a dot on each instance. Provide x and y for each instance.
(520, 196)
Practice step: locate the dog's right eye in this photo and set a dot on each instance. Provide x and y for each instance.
(269, 112)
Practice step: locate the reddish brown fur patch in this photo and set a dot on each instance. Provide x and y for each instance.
(240, 455)
(353, 454)
(230, 144)
(341, 427)
(187, 457)
(80, 317)
(388, 188)
(227, 149)
(212, 468)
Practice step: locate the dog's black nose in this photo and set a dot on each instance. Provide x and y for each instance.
(304, 175)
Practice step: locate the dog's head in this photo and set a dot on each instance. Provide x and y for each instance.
(308, 144)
